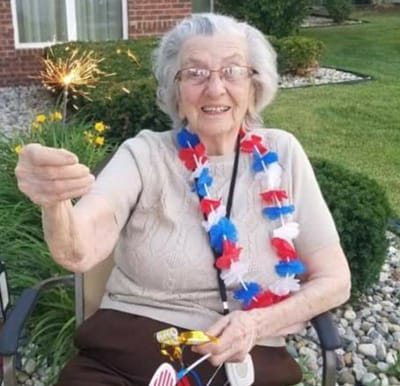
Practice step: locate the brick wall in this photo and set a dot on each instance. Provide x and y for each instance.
(145, 18)
(151, 17)
(16, 66)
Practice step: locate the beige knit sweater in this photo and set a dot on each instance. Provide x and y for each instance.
(163, 260)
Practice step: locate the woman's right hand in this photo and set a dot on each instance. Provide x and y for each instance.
(48, 175)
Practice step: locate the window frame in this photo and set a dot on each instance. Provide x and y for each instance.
(71, 26)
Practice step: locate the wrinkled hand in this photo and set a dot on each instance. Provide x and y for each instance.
(48, 175)
(237, 336)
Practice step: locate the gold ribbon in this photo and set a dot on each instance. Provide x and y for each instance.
(174, 353)
(191, 338)
(171, 341)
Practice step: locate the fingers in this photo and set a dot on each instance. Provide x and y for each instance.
(45, 193)
(235, 352)
(48, 175)
(36, 154)
(236, 333)
(66, 195)
(217, 328)
(51, 173)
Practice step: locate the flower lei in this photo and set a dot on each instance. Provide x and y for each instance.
(222, 231)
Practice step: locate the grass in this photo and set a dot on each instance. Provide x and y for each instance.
(356, 125)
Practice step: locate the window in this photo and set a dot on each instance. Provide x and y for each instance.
(39, 23)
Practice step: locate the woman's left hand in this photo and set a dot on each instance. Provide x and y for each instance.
(237, 335)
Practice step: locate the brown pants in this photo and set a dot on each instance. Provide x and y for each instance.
(118, 349)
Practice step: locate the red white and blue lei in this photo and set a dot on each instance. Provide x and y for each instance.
(223, 233)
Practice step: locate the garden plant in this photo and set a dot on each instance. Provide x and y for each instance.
(22, 245)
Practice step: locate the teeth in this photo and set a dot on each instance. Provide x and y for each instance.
(215, 109)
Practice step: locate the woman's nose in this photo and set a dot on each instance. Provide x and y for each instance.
(215, 85)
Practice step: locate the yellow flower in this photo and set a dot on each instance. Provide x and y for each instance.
(56, 116)
(18, 149)
(99, 127)
(36, 126)
(88, 136)
(99, 141)
(40, 118)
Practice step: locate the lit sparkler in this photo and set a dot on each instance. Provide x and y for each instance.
(73, 75)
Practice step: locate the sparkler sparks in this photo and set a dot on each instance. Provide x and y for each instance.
(75, 73)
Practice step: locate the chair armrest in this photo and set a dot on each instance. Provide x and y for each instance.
(329, 339)
(327, 331)
(16, 320)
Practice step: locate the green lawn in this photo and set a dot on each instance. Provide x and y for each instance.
(357, 125)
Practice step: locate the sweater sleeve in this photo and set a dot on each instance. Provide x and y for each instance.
(317, 227)
(120, 181)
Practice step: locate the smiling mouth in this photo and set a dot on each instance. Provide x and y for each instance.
(215, 109)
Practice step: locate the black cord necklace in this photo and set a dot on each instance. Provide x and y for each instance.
(221, 284)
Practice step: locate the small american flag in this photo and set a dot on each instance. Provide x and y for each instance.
(165, 375)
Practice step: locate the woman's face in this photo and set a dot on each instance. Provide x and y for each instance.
(215, 106)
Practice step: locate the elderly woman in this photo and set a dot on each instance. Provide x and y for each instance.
(216, 225)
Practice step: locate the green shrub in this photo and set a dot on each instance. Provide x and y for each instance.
(361, 211)
(130, 106)
(298, 54)
(126, 99)
(338, 10)
(125, 59)
(23, 248)
(273, 17)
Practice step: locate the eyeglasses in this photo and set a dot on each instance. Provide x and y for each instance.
(198, 76)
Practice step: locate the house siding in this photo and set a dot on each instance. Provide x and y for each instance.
(145, 18)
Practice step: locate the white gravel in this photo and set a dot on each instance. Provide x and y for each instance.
(19, 105)
(319, 76)
(370, 332)
(322, 21)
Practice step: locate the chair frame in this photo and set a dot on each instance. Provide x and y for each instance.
(13, 327)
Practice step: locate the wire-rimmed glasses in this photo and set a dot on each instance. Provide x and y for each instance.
(199, 76)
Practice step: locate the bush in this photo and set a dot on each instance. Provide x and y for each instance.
(298, 54)
(361, 211)
(130, 106)
(273, 17)
(338, 10)
(23, 248)
(126, 99)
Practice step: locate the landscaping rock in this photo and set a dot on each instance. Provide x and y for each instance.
(370, 333)
(19, 106)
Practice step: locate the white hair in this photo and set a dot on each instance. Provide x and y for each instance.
(261, 56)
